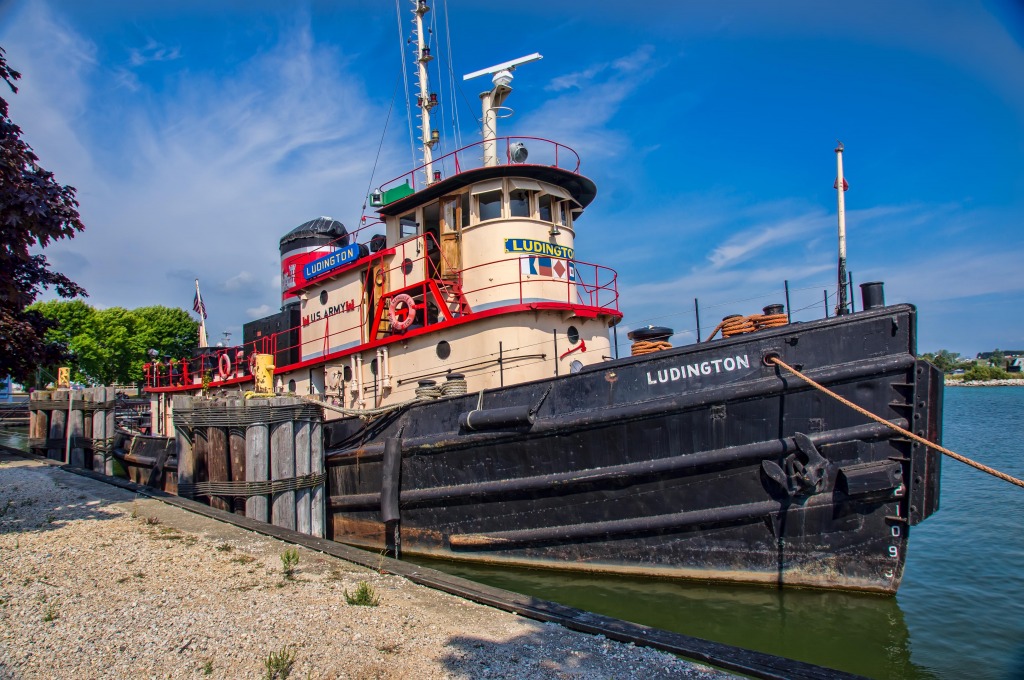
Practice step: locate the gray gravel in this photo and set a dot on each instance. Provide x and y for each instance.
(95, 583)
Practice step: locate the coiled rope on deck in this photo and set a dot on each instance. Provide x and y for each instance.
(906, 433)
(737, 324)
(649, 346)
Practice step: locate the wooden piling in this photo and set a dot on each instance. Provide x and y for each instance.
(302, 467)
(88, 404)
(183, 437)
(282, 464)
(99, 430)
(111, 429)
(316, 458)
(58, 422)
(257, 468)
(199, 448)
(39, 427)
(236, 449)
(218, 462)
(76, 428)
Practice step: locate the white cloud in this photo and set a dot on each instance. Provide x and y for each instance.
(152, 51)
(191, 177)
(258, 312)
(243, 280)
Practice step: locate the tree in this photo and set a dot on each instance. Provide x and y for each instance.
(944, 360)
(111, 345)
(34, 210)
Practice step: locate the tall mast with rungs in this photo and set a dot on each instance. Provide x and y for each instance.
(425, 99)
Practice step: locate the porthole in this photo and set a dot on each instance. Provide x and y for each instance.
(573, 335)
(373, 367)
(347, 374)
(444, 350)
(576, 366)
(291, 386)
(407, 266)
(323, 297)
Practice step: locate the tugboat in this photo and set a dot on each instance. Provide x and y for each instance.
(477, 410)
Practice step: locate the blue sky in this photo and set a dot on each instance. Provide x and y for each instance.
(198, 133)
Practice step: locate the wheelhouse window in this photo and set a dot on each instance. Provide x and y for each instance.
(519, 203)
(489, 205)
(408, 226)
(544, 207)
(487, 200)
(520, 196)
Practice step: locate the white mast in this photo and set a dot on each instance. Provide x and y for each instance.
(425, 98)
(841, 307)
(494, 98)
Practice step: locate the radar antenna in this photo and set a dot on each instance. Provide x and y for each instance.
(501, 77)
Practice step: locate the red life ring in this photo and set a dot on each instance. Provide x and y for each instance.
(224, 366)
(401, 312)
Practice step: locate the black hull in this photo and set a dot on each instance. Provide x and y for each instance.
(699, 462)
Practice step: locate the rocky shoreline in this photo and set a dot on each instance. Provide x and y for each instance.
(1010, 382)
(97, 583)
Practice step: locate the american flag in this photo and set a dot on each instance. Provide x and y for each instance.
(199, 306)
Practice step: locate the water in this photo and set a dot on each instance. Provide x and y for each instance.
(958, 614)
(15, 437)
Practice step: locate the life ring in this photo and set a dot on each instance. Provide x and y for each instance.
(224, 366)
(252, 364)
(401, 312)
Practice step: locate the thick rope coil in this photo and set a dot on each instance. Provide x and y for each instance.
(906, 433)
(428, 392)
(641, 347)
(737, 324)
(453, 388)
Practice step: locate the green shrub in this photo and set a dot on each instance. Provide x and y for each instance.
(289, 559)
(279, 664)
(986, 373)
(363, 597)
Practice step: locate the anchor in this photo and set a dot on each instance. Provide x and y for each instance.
(802, 473)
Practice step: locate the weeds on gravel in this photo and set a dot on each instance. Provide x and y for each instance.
(50, 613)
(152, 521)
(50, 519)
(208, 668)
(289, 560)
(365, 596)
(243, 559)
(224, 547)
(279, 664)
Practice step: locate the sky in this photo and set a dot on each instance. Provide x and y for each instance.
(198, 133)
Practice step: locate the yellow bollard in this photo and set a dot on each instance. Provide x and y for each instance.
(264, 374)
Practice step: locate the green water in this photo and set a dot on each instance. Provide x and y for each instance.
(958, 614)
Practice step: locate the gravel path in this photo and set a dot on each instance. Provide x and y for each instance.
(95, 583)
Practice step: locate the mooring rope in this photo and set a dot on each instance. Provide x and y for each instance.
(737, 324)
(641, 347)
(906, 433)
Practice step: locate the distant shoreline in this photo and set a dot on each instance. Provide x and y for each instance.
(1005, 382)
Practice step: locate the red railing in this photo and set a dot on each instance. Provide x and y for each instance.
(585, 284)
(542, 151)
